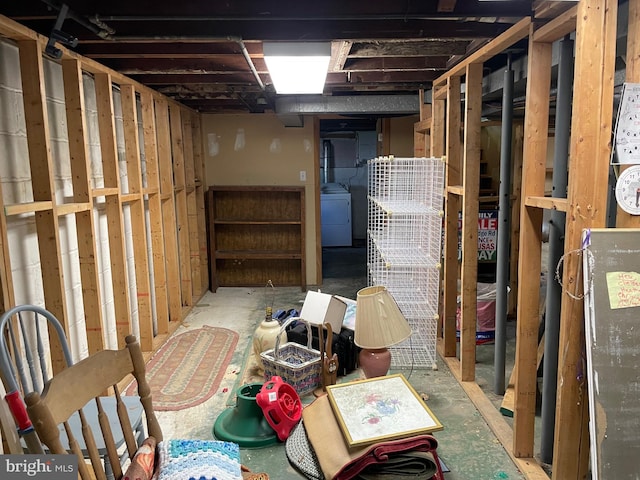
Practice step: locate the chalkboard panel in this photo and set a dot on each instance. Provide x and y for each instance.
(612, 316)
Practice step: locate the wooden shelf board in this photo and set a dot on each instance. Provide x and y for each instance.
(256, 222)
(455, 190)
(257, 254)
(549, 203)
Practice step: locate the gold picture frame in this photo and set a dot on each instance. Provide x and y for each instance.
(380, 409)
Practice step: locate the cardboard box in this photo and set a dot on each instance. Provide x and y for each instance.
(319, 308)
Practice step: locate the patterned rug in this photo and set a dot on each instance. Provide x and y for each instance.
(188, 369)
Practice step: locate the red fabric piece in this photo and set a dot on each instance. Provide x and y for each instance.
(379, 453)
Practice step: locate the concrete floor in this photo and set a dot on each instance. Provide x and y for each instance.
(466, 445)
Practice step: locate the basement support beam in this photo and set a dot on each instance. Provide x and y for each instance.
(529, 261)
(595, 55)
(470, 210)
(453, 173)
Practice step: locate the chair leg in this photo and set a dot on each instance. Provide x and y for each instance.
(108, 471)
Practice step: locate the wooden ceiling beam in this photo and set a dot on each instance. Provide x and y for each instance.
(499, 44)
(236, 63)
(396, 64)
(339, 54)
(408, 48)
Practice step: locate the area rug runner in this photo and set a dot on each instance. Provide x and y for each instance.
(188, 369)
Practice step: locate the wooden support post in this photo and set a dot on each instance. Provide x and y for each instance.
(591, 128)
(182, 214)
(384, 147)
(422, 130)
(155, 213)
(425, 108)
(437, 139)
(41, 163)
(437, 149)
(530, 254)
(138, 217)
(167, 197)
(198, 165)
(85, 228)
(115, 222)
(452, 207)
(192, 209)
(6, 279)
(470, 208)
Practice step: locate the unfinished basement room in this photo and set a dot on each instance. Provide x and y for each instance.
(327, 241)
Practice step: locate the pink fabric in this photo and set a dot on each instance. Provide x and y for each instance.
(143, 462)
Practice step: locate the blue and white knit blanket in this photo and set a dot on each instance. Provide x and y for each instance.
(199, 460)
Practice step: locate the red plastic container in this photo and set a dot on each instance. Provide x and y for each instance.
(281, 406)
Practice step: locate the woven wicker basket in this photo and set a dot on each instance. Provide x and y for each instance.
(297, 365)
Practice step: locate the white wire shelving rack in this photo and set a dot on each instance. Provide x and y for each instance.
(404, 239)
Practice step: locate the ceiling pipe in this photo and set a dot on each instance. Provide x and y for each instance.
(102, 30)
(252, 67)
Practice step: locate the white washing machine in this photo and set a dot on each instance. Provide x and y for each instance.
(335, 216)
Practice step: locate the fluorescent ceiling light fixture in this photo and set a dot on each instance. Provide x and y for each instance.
(297, 68)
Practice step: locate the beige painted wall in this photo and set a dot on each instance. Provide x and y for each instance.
(401, 138)
(252, 149)
(247, 149)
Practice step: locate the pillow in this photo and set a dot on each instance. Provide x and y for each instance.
(143, 462)
(198, 459)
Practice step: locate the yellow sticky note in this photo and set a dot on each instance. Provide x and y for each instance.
(624, 289)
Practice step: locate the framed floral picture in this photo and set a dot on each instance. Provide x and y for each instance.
(380, 409)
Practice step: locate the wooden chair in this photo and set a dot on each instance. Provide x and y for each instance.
(25, 364)
(70, 390)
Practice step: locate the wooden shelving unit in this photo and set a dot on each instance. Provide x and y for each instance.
(256, 234)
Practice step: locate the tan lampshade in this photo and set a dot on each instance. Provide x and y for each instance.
(379, 321)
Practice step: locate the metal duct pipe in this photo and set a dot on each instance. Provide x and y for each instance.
(504, 213)
(556, 248)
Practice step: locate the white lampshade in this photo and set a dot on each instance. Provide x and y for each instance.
(379, 321)
(297, 68)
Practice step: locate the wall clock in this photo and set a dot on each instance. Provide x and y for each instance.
(628, 190)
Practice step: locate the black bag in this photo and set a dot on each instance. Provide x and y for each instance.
(342, 345)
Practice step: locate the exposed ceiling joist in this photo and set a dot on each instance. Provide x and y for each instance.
(210, 54)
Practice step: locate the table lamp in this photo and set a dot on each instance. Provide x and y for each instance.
(379, 325)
